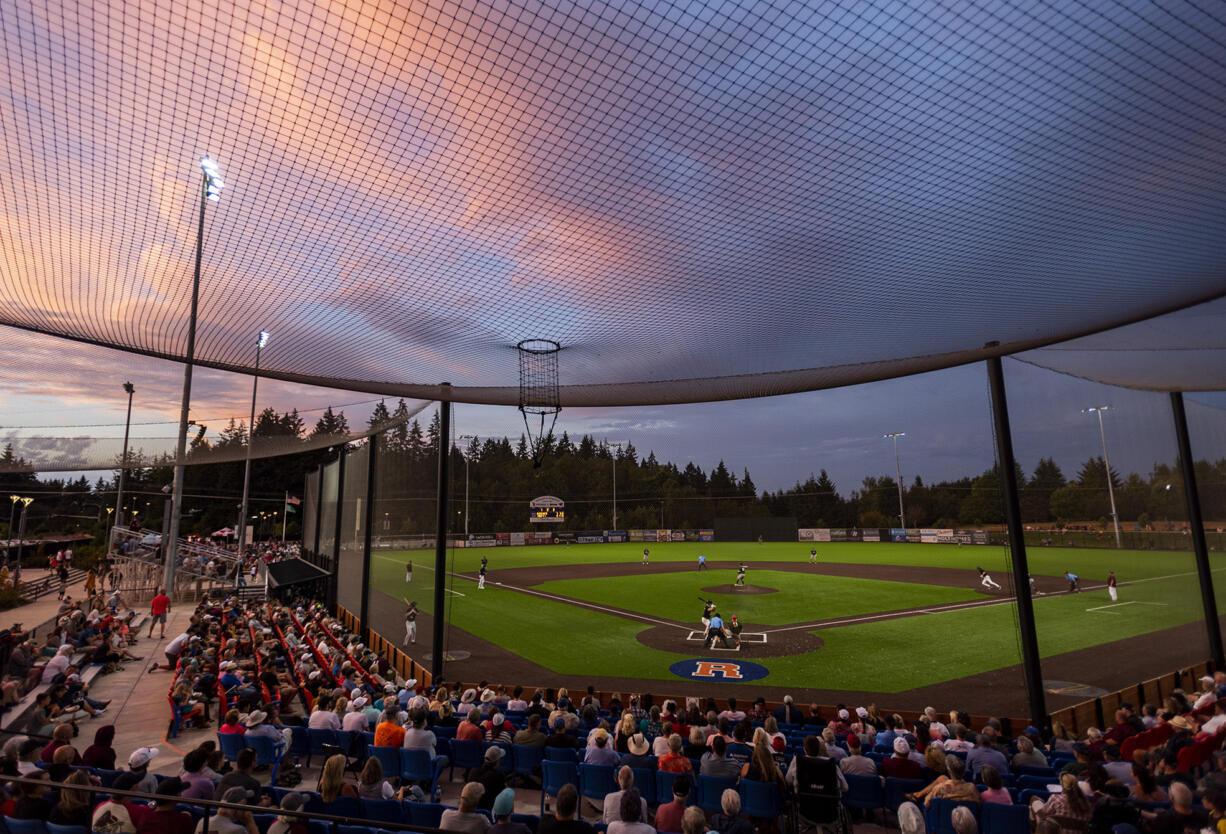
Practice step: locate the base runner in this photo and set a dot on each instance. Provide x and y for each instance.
(1112, 586)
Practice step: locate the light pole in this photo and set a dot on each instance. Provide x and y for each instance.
(619, 448)
(12, 513)
(1115, 518)
(123, 461)
(261, 341)
(466, 437)
(21, 536)
(210, 191)
(902, 515)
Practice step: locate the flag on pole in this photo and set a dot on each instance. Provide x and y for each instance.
(289, 499)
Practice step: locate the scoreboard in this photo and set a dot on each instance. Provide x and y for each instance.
(547, 509)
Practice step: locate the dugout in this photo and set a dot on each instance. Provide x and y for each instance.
(749, 529)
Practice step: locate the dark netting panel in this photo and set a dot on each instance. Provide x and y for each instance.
(1103, 498)
(1181, 351)
(327, 514)
(697, 201)
(351, 568)
(310, 512)
(403, 541)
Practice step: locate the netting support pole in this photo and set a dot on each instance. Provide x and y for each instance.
(319, 514)
(1196, 523)
(367, 521)
(336, 540)
(440, 538)
(170, 532)
(1032, 669)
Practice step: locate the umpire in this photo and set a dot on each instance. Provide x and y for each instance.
(715, 631)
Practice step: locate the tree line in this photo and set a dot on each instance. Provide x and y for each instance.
(498, 477)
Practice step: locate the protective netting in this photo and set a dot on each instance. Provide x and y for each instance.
(84, 451)
(701, 201)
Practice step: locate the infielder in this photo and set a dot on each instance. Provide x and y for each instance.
(646, 553)
(481, 576)
(1111, 586)
(985, 580)
(813, 556)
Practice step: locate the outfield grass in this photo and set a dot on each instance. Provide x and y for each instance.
(886, 656)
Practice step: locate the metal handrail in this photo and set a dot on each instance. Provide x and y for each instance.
(307, 816)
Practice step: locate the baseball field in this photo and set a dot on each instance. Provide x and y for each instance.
(897, 623)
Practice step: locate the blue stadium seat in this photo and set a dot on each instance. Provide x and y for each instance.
(645, 781)
(597, 781)
(466, 755)
(16, 826)
(383, 810)
(389, 760)
(762, 800)
(710, 791)
(263, 821)
(417, 766)
(230, 744)
(1004, 819)
(897, 789)
(555, 775)
(865, 792)
(424, 814)
(344, 806)
(267, 753)
(1027, 770)
(562, 754)
(527, 759)
(52, 828)
(940, 815)
(1036, 783)
(317, 739)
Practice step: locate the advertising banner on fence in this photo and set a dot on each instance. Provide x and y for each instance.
(706, 535)
(538, 538)
(822, 534)
(503, 539)
(872, 535)
(647, 535)
(635, 535)
(615, 535)
(589, 536)
(913, 535)
(838, 534)
(664, 536)
(517, 539)
(563, 538)
(934, 536)
(854, 535)
(678, 535)
(980, 537)
(806, 534)
(897, 534)
(484, 540)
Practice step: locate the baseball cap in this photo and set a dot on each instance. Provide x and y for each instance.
(504, 803)
(498, 719)
(862, 712)
(494, 754)
(292, 802)
(141, 756)
(900, 746)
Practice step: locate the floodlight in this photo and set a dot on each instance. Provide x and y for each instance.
(213, 183)
(262, 340)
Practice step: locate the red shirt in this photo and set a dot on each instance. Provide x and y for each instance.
(160, 604)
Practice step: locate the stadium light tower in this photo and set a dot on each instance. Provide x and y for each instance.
(12, 514)
(123, 461)
(210, 191)
(1115, 518)
(619, 448)
(902, 515)
(261, 341)
(466, 437)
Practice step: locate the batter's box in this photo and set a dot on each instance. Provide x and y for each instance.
(758, 637)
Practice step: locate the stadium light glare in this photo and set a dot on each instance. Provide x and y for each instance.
(261, 341)
(213, 183)
(1115, 516)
